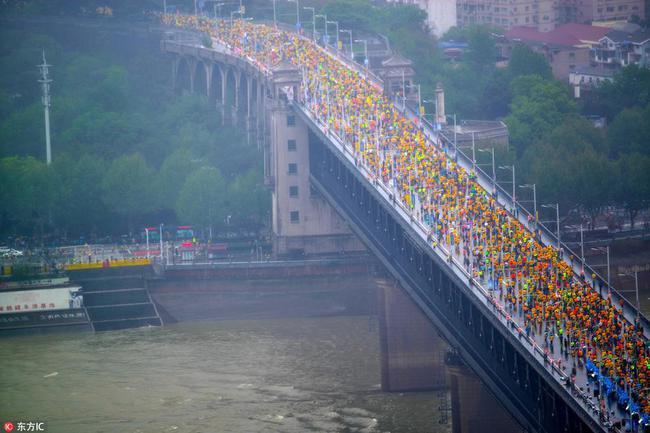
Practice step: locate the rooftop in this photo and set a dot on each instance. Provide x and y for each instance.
(636, 37)
(567, 35)
(595, 71)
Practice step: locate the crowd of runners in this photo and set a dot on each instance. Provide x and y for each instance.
(579, 325)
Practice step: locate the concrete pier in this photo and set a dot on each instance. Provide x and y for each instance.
(474, 409)
(412, 352)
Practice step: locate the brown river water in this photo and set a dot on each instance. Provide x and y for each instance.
(240, 376)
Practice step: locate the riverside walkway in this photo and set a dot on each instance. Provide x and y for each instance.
(577, 332)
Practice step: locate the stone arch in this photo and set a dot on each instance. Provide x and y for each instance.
(184, 75)
(231, 87)
(201, 79)
(216, 83)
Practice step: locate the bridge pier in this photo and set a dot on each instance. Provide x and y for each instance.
(224, 89)
(412, 351)
(474, 409)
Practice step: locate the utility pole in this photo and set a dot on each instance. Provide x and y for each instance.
(45, 81)
(582, 248)
(275, 21)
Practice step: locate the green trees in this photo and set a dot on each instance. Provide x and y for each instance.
(629, 132)
(127, 151)
(538, 105)
(524, 61)
(129, 188)
(630, 88)
(202, 198)
(633, 190)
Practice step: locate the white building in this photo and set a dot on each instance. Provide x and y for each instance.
(441, 14)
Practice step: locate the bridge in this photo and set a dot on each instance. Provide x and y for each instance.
(558, 353)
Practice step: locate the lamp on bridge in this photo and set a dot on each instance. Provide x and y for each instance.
(534, 188)
(556, 206)
(313, 21)
(297, 14)
(336, 23)
(514, 185)
(349, 32)
(324, 17)
(606, 250)
(494, 174)
(365, 51)
(636, 289)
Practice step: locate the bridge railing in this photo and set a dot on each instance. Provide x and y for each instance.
(340, 56)
(524, 215)
(443, 253)
(457, 267)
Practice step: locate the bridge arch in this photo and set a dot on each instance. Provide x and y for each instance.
(183, 81)
(216, 83)
(200, 81)
(231, 87)
(243, 94)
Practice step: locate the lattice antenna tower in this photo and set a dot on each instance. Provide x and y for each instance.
(45, 82)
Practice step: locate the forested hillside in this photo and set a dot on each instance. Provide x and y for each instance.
(127, 150)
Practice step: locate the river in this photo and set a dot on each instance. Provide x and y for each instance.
(280, 375)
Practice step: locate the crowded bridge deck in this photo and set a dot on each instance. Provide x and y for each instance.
(569, 326)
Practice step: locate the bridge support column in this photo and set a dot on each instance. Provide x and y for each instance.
(261, 116)
(249, 103)
(224, 87)
(235, 109)
(473, 408)
(208, 79)
(412, 352)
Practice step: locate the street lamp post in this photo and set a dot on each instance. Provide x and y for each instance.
(232, 14)
(218, 6)
(582, 248)
(349, 32)
(146, 233)
(600, 249)
(365, 51)
(494, 175)
(473, 153)
(455, 141)
(534, 188)
(336, 23)
(275, 22)
(324, 17)
(313, 21)
(161, 242)
(297, 13)
(636, 290)
(514, 184)
(556, 206)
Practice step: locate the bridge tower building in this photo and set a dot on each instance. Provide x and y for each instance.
(303, 222)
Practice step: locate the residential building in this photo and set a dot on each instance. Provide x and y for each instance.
(540, 14)
(584, 78)
(565, 48)
(592, 11)
(619, 49)
(441, 14)
(545, 15)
